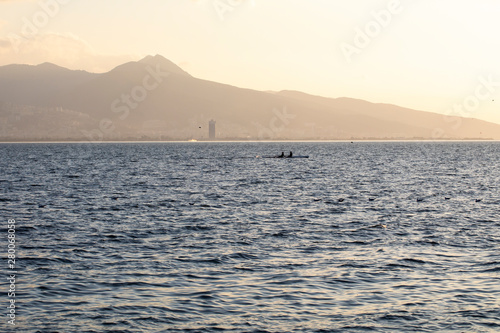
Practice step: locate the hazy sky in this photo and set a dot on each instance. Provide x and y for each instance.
(435, 55)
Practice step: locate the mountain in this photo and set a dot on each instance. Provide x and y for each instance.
(36, 85)
(155, 99)
(166, 64)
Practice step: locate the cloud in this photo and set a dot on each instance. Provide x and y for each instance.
(65, 50)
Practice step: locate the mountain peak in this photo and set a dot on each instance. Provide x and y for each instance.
(164, 63)
(150, 58)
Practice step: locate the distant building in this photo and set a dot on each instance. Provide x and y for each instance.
(211, 129)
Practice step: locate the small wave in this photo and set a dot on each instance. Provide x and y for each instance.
(198, 227)
(35, 261)
(201, 261)
(357, 242)
(491, 270)
(415, 261)
(200, 277)
(399, 317)
(425, 242)
(287, 282)
(129, 284)
(393, 266)
(281, 234)
(354, 265)
(65, 290)
(244, 256)
(336, 210)
(25, 229)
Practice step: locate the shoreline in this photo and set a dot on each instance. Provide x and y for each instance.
(248, 141)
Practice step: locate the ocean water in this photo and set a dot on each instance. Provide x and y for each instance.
(204, 237)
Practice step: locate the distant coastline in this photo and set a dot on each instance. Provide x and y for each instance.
(50, 103)
(253, 140)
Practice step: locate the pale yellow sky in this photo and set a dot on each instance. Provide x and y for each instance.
(435, 55)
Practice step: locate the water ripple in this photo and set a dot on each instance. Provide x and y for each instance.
(177, 237)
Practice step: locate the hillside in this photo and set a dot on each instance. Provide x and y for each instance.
(156, 99)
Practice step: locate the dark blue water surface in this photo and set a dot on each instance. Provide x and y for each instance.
(204, 237)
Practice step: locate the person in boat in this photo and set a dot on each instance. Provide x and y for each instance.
(282, 154)
(291, 154)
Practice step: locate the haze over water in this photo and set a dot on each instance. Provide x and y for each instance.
(204, 237)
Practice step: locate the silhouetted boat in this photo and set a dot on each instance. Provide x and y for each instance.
(294, 156)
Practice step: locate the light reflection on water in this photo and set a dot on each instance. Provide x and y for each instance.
(204, 237)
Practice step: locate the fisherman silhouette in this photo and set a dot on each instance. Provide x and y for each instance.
(291, 155)
(282, 154)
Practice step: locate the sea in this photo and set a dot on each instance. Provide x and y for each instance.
(211, 237)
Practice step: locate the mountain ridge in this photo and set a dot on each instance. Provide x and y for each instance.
(154, 98)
